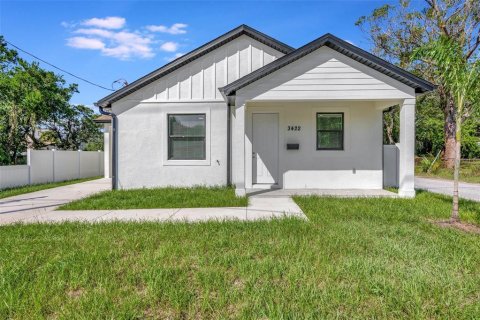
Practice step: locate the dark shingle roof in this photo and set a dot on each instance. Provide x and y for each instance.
(337, 44)
(193, 55)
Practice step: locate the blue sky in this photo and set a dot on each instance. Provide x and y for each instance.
(107, 40)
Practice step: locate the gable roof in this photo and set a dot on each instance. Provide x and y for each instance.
(420, 85)
(193, 55)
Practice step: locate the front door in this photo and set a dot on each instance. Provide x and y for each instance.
(265, 148)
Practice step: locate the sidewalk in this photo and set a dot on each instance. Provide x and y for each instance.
(470, 191)
(42, 210)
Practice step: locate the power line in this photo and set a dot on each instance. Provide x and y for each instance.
(54, 66)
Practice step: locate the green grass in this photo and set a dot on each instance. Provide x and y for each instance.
(469, 172)
(353, 259)
(197, 197)
(10, 192)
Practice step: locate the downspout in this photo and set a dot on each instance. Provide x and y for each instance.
(229, 135)
(114, 145)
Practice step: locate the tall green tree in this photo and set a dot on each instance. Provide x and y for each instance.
(462, 79)
(397, 30)
(73, 129)
(33, 100)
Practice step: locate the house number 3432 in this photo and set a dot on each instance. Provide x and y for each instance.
(294, 128)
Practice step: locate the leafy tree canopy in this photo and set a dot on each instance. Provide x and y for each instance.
(34, 101)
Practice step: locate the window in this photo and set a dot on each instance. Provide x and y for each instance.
(329, 131)
(186, 137)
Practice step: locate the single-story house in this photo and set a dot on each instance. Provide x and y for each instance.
(248, 110)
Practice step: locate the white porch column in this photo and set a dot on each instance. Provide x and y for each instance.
(406, 172)
(238, 147)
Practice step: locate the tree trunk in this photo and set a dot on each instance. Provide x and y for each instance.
(449, 132)
(456, 173)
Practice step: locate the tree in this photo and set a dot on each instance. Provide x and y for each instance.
(397, 30)
(72, 128)
(33, 100)
(462, 79)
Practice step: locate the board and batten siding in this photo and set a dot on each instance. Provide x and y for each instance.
(326, 74)
(200, 79)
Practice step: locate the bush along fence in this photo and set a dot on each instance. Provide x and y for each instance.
(44, 166)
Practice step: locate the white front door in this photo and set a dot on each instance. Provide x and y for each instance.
(265, 148)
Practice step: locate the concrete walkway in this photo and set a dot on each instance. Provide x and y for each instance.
(24, 206)
(40, 207)
(469, 191)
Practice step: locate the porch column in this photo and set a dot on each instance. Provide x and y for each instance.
(238, 147)
(406, 172)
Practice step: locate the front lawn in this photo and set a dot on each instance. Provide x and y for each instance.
(198, 197)
(354, 258)
(10, 192)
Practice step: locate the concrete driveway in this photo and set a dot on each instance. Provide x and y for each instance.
(24, 206)
(469, 191)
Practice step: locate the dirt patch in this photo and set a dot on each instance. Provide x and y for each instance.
(465, 227)
(76, 293)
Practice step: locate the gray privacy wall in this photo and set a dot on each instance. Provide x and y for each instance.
(390, 165)
(45, 166)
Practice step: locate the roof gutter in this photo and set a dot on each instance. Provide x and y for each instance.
(114, 145)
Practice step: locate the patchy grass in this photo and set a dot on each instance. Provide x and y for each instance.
(197, 197)
(469, 172)
(10, 192)
(354, 258)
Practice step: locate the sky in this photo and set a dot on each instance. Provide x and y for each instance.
(104, 41)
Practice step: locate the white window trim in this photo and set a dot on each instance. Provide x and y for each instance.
(206, 161)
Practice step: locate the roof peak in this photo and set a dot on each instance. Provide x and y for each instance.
(420, 85)
(193, 55)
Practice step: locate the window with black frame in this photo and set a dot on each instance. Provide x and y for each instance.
(186, 137)
(330, 131)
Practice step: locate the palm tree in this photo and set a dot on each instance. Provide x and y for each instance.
(462, 78)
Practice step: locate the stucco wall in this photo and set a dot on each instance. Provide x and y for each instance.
(142, 146)
(358, 166)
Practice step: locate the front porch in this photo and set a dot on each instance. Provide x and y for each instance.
(266, 130)
(302, 149)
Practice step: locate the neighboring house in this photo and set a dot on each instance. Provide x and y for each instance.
(106, 120)
(250, 110)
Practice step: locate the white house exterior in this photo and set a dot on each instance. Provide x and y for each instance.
(249, 110)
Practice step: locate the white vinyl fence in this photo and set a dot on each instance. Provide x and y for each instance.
(45, 166)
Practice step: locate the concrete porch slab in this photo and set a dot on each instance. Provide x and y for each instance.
(341, 193)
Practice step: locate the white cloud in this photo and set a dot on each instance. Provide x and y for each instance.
(175, 56)
(176, 28)
(107, 23)
(122, 44)
(169, 46)
(95, 32)
(85, 43)
(111, 39)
